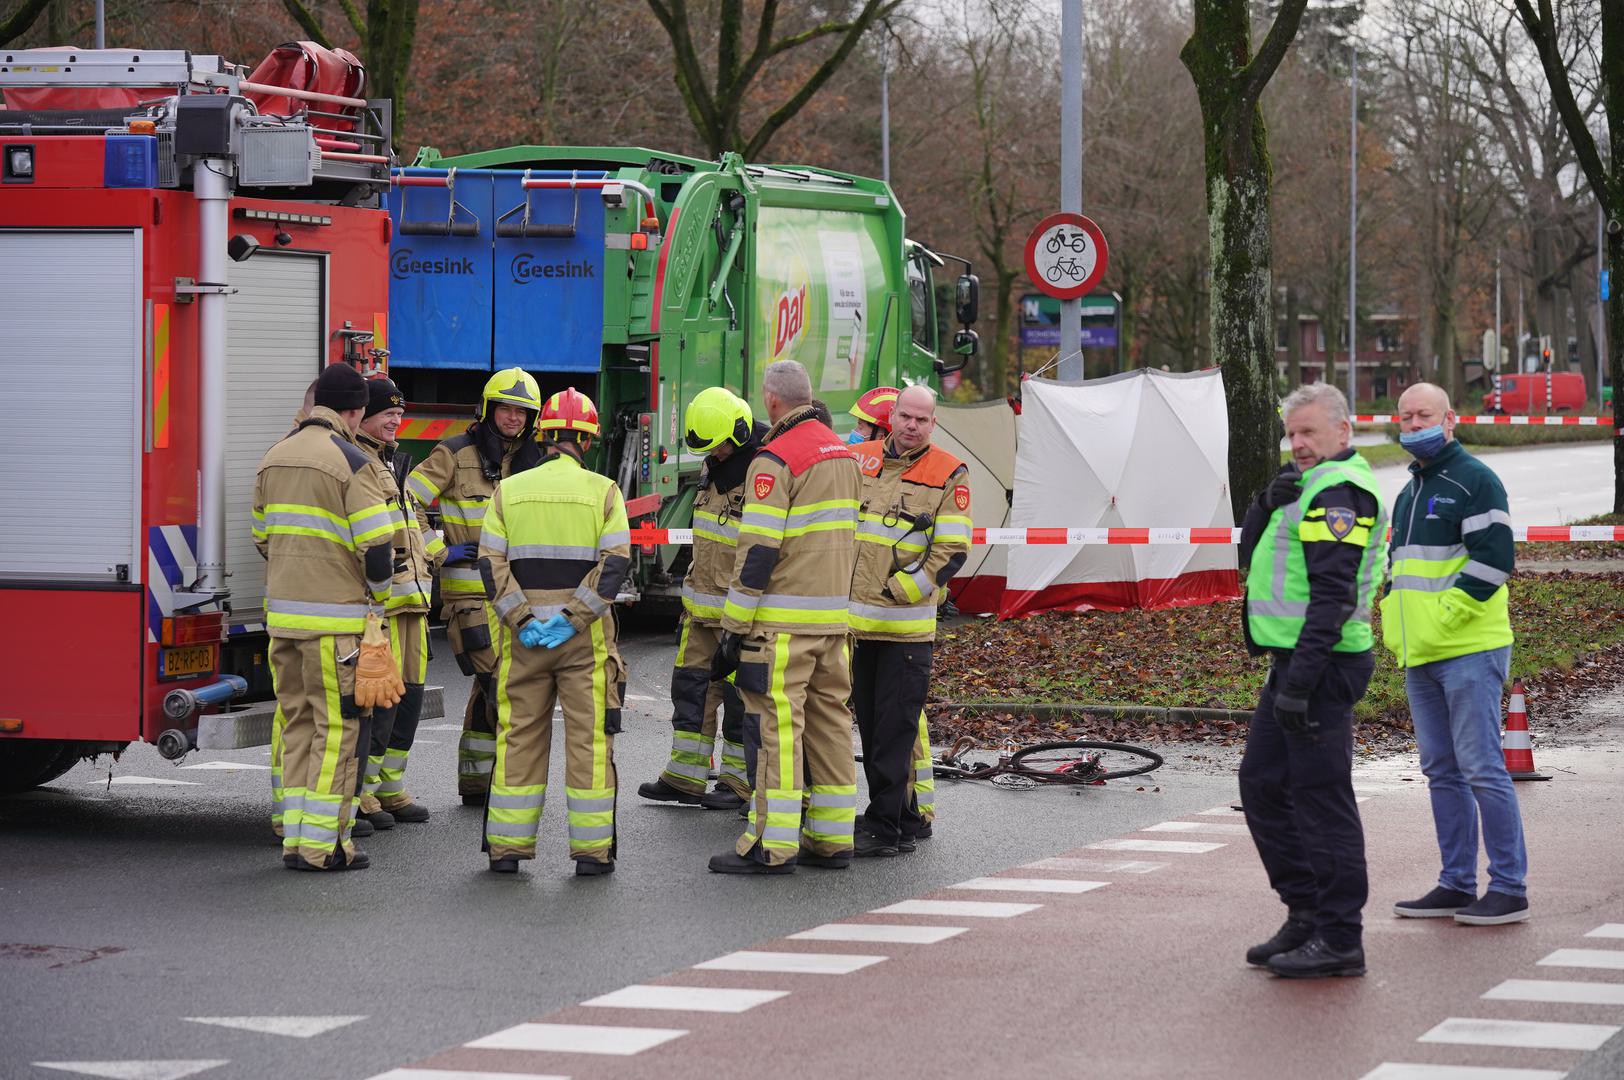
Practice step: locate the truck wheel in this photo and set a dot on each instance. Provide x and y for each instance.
(29, 763)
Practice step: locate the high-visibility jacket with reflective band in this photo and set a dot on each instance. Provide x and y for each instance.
(1452, 555)
(555, 541)
(797, 533)
(454, 474)
(326, 525)
(410, 590)
(716, 543)
(1277, 582)
(889, 603)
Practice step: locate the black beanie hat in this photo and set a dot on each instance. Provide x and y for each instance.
(382, 393)
(341, 388)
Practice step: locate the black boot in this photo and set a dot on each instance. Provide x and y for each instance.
(660, 791)
(508, 864)
(723, 798)
(1317, 960)
(734, 863)
(1295, 931)
(867, 845)
(593, 868)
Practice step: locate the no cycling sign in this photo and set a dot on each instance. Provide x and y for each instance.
(1066, 256)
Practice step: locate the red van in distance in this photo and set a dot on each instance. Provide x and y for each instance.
(1524, 395)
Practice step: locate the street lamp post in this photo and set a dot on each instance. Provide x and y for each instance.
(1071, 169)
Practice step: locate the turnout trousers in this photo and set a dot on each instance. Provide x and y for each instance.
(795, 688)
(470, 631)
(694, 701)
(889, 682)
(391, 731)
(586, 678)
(1297, 790)
(315, 746)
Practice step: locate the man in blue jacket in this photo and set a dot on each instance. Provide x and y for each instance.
(1446, 619)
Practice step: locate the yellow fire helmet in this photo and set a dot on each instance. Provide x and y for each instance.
(717, 415)
(515, 386)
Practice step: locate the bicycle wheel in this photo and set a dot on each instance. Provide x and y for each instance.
(1083, 761)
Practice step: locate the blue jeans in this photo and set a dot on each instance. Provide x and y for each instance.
(1455, 705)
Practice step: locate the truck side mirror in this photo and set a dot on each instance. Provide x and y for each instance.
(966, 343)
(966, 302)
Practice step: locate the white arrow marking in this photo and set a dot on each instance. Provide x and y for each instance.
(132, 1070)
(298, 1027)
(143, 780)
(224, 765)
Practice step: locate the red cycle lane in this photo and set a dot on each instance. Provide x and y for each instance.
(1141, 975)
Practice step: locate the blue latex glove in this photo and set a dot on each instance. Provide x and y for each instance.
(533, 634)
(556, 630)
(460, 552)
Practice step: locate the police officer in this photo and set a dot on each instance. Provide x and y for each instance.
(554, 552)
(720, 425)
(784, 623)
(1316, 546)
(873, 413)
(913, 535)
(384, 799)
(326, 526)
(462, 473)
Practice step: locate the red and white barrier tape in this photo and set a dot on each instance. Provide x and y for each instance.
(1515, 421)
(1545, 534)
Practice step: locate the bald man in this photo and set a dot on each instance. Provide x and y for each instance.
(1446, 618)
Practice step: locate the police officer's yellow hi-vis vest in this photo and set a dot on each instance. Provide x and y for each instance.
(1277, 582)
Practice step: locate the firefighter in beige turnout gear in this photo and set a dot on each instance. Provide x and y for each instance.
(462, 473)
(326, 527)
(913, 536)
(384, 799)
(784, 624)
(720, 424)
(554, 552)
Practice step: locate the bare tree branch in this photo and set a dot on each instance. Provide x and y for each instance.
(20, 20)
(307, 22)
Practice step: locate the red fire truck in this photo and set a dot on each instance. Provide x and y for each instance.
(182, 250)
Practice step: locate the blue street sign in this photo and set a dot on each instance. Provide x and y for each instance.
(1606, 284)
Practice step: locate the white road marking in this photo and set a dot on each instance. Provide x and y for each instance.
(297, 1027)
(890, 933)
(577, 1038)
(643, 697)
(1608, 930)
(1234, 828)
(1402, 1070)
(224, 765)
(440, 727)
(1097, 866)
(1605, 959)
(1535, 1034)
(1185, 847)
(979, 908)
(133, 1070)
(460, 1074)
(686, 998)
(1566, 993)
(1017, 884)
(791, 963)
(138, 780)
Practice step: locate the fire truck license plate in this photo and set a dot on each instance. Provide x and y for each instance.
(180, 663)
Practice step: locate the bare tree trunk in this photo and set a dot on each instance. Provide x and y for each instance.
(1584, 313)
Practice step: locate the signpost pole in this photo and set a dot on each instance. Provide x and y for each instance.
(1071, 169)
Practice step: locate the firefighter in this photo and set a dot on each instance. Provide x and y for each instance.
(384, 799)
(554, 552)
(784, 633)
(913, 535)
(720, 425)
(873, 412)
(462, 472)
(326, 526)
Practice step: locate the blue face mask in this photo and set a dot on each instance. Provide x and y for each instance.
(1425, 444)
(854, 438)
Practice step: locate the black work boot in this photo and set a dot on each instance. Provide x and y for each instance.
(868, 845)
(363, 827)
(593, 868)
(508, 864)
(723, 798)
(734, 863)
(825, 862)
(1295, 931)
(1316, 960)
(412, 813)
(660, 791)
(475, 798)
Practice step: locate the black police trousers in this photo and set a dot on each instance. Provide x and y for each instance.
(1297, 789)
(889, 681)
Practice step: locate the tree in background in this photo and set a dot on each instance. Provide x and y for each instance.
(387, 33)
(1229, 84)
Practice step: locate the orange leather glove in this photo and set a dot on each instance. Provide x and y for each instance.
(378, 684)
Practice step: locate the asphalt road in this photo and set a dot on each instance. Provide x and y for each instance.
(1547, 485)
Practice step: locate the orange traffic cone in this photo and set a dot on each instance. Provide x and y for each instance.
(1515, 743)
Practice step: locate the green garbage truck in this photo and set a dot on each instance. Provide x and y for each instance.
(641, 278)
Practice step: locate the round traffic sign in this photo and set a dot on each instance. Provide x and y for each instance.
(1066, 256)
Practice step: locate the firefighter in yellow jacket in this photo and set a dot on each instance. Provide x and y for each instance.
(326, 527)
(384, 799)
(784, 632)
(554, 552)
(462, 473)
(913, 536)
(720, 425)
